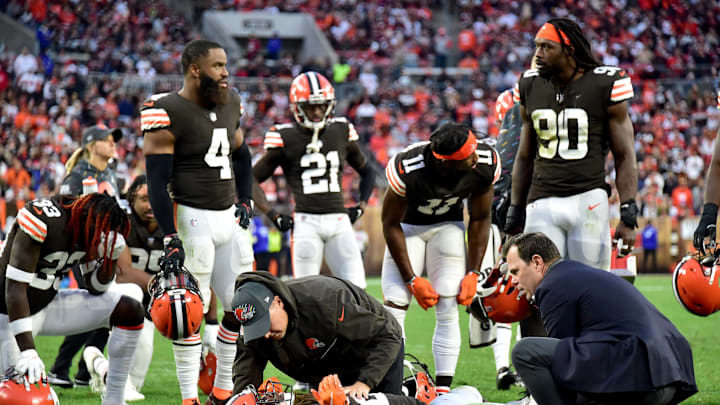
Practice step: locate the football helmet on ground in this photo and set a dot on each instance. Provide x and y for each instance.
(311, 88)
(176, 307)
(15, 390)
(695, 284)
(418, 384)
(272, 392)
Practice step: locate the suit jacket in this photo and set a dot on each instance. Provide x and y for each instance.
(612, 339)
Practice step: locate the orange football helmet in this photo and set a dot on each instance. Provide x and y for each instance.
(311, 88)
(504, 305)
(15, 390)
(695, 284)
(275, 393)
(419, 384)
(208, 367)
(176, 307)
(503, 104)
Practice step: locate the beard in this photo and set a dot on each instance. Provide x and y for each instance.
(548, 71)
(211, 92)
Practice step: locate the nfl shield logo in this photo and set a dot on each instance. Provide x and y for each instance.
(213, 117)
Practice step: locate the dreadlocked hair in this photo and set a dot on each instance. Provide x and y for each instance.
(92, 216)
(139, 181)
(582, 54)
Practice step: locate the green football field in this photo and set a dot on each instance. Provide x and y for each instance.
(475, 367)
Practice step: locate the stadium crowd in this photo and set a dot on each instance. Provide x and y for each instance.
(48, 97)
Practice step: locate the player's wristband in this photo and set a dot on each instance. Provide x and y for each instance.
(409, 282)
(629, 213)
(21, 325)
(97, 284)
(21, 276)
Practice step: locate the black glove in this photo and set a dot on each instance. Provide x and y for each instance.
(706, 228)
(514, 220)
(173, 254)
(355, 213)
(243, 212)
(282, 222)
(628, 213)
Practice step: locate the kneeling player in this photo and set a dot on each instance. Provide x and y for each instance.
(48, 237)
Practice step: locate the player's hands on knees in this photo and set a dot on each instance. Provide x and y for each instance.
(468, 287)
(423, 291)
(706, 232)
(330, 391)
(173, 253)
(355, 213)
(514, 220)
(31, 365)
(243, 212)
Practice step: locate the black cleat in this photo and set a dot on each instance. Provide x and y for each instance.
(505, 378)
(62, 381)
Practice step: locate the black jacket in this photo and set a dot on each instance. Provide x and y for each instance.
(333, 328)
(106, 180)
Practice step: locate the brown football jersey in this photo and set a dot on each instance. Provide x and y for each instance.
(315, 178)
(204, 141)
(571, 127)
(44, 220)
(431, 197)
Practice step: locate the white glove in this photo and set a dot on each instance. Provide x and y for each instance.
(209, 339)
(119, 245)
(31, 365)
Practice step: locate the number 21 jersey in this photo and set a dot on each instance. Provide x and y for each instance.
(572, 130)
(204, 140)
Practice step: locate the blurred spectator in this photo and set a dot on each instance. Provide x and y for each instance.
(25, 62)
(441, 46)
(682, 199)
(17, 177)
(341, 70)
(649, 245)
(273, 47)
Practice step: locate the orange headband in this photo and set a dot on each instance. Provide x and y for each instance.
(461, 154)
(550, 32)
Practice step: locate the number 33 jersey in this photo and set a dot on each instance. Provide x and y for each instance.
(204, 140)
(572, 130)
(431, 197)
(314, 177)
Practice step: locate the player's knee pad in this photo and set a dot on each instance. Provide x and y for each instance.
(128, 312)
(307, 250)
(480, 333)
(242, 248)
(199, 255)
(447, 328)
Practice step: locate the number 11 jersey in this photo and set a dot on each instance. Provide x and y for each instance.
(204, 140)
(571, 126)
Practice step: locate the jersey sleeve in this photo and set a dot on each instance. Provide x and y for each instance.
(153, 115)
(621, 88)
(394, 172)
(489, 164)
(273, 139)
(32, 224)
(523, 84)
(352, 133)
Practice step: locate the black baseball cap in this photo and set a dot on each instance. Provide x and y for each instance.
(100, 133)
(251, 305)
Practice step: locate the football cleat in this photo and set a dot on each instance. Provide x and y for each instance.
(506, 378)
(15, 390)
(176, 306)
(311, 88)
(695, 284)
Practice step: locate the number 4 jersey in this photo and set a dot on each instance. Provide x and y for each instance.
(204, 140)
(572, 129)
(431, 197)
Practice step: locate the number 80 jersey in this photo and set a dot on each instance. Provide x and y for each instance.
(431, 197)
(204, 140)
(572, 129)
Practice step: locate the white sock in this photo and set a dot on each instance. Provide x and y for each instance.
(501, 347)
(399, 315)
(446, 338)
(225, 349)
(143, 355)
(187, 364)
(121, 350)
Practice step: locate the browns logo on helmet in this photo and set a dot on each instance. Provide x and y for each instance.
(176, 307)
(272, 392)
(15, 390)
(695, 284)
(311, 88)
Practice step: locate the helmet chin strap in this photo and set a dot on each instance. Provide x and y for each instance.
(313, 146)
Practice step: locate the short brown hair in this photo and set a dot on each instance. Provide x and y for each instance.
(530, 244)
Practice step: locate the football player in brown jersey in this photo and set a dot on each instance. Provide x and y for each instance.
(574, 110)
(48, 237)
(423, 226)
(706, 230)
(311, 153)
(200, 180)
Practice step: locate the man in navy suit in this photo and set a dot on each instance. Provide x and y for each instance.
(606, 344)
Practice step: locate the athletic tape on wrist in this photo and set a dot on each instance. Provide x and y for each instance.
(21, 276)
(21, 325)
(97, 285)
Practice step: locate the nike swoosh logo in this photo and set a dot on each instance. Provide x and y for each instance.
(39, 212)
(400, 169)
(149, 103)
(172, 252)
(342, 315)
(592, 207)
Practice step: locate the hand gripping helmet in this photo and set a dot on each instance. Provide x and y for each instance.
(504, 305)
(15, 390)
(274, 393)
(311, 88)
(503, 104)
(418, 384)
(695, 283)
(176, 307)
